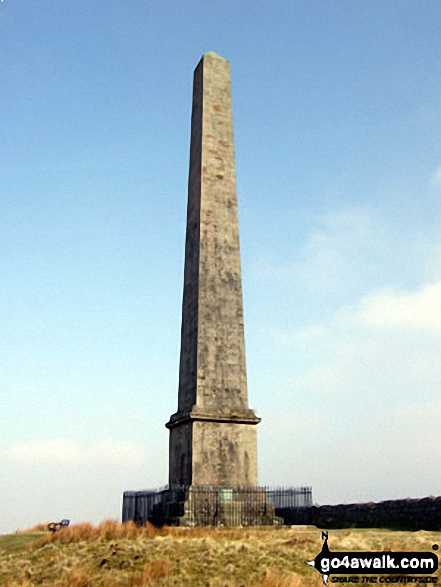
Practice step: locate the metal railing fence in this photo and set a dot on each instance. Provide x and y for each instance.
(217, 506)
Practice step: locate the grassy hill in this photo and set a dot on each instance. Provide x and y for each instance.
(113, 554)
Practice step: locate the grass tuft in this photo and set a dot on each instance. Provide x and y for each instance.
(41, 527)
(275, 578)
(106, 530)
(153, 572)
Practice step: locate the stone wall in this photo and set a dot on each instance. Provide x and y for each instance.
(405, 514)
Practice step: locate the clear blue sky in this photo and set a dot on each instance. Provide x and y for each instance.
(337, 119)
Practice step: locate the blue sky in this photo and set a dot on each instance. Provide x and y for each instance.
(337, 120)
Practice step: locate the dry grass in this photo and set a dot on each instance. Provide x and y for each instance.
(123, 555)
(153, 573)
(106, 530)
(41, 527)
(275, 578)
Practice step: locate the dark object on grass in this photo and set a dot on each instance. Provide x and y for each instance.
(54, 526)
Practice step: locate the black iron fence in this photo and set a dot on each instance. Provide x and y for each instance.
(218, 506)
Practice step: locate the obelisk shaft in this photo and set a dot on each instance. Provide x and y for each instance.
(212, 436)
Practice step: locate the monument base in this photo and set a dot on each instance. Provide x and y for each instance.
(211, 505)
(216, 506)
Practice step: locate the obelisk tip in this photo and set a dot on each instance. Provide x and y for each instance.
(214, 55)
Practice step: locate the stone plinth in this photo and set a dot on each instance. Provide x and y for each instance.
(220, 506)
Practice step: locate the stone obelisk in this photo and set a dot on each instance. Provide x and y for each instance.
(213, 433)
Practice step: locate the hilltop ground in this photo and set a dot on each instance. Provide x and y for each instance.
(124, 555)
